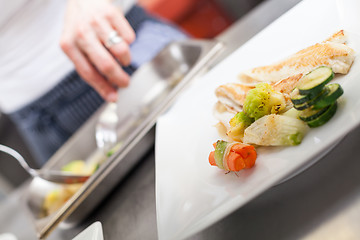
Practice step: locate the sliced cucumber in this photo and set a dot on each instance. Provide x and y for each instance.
(297, 98)
(323, 118)
(219, 153)
(306, 104)
(332, 93)
(311, 114)
(312, 83)
(302, 106)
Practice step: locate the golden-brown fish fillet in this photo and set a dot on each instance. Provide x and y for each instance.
(332, 53)
(338, 37)
(232, 95)
(223, 115)
(288, 84)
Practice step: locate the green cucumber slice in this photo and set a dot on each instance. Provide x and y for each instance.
(333, 92)
(302, 106)
(310, 114)
(312, 83)
(219, 153)
(325, 117)
(297, 98)
(307, 104)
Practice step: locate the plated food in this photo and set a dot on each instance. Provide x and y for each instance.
(201, 194)
(333, 53)
(276, 105)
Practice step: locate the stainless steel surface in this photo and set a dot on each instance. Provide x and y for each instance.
(151, 88)
(236, 8)
(154, 88)
(47, 174)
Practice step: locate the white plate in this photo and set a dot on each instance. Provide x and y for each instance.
(92, 232)
(190, 194)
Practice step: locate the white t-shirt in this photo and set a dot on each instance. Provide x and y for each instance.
(31, 60)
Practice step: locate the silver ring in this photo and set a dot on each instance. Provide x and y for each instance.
(113, 39)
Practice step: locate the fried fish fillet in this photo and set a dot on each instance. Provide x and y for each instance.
(333, 52)
(223, 115)
(232, 95)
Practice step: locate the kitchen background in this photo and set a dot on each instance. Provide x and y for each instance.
(200, 18)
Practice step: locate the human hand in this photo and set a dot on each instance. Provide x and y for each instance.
(87, 28)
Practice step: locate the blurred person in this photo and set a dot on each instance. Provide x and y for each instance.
(61, 59)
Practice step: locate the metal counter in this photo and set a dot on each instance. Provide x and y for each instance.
(323, 202)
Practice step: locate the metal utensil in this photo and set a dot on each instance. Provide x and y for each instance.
(106, 134)
(143, 93)
(49, 175)
(106, 127)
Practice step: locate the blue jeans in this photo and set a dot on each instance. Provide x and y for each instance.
(49, 121)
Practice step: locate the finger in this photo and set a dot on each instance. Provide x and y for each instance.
(121, 50)
(119, 23)
(90, 74)
(103, 60)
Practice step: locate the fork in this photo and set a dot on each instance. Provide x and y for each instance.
(106, 134)
(106, 128)
(47, 174)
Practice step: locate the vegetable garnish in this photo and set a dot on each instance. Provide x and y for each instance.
(232, 156)
(260, 101)
(263, 100)
(238, 124)
(313, 83)
(331, 94)
(276, 130)
(318, 99)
